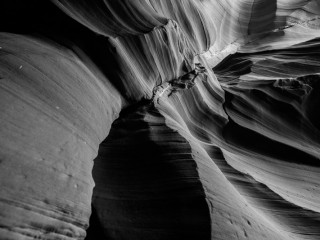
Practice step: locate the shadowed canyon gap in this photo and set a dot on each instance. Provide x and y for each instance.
(160, 119)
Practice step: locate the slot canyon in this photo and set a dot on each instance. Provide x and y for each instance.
(160, 120)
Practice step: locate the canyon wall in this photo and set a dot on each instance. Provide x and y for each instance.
(192, 119)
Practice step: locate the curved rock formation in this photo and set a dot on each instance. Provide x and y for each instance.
(55, 111)
(212, 109)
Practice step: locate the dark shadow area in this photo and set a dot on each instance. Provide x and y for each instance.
(263, 14)
(233, 133)
(95, 230)
(147, 185)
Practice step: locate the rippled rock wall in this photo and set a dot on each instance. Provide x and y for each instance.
(212, 109)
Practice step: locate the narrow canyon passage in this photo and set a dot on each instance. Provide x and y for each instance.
(146, 181)
(160, 119)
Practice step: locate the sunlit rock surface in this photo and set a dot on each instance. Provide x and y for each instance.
(174, 119)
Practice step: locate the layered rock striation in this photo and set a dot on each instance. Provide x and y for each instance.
(164, 119)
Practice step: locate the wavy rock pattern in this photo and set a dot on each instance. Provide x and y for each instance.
(218, 135)
(52, 123)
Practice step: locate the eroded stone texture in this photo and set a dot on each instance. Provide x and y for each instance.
(248, 125)
(55, 110)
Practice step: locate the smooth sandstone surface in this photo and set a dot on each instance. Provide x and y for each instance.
(55, 111)
(174, 119)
